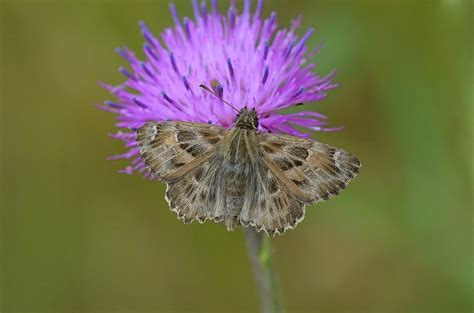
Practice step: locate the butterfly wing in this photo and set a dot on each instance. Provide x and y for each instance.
(295, 172)
(198, 195)
(220, 188)
(172, 149)
(236, 186)
(311, 170)
(242, 178)
(274, 208)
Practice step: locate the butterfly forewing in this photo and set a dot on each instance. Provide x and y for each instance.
(317, 170)
(171, 149)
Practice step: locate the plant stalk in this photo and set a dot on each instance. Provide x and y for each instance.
(260, 254)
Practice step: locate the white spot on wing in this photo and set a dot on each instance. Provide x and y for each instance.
(155, 132)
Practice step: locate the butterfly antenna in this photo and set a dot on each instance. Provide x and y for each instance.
(294, 105)
(212, 92)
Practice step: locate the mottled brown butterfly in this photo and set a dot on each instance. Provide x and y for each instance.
(240, 176)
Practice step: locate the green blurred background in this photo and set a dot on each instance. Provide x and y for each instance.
(79, 237)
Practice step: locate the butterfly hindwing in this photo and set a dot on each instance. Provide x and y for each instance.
(191, 199)
(171, 149)
(276, 207)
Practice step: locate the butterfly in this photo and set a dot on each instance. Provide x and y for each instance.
(240, 176)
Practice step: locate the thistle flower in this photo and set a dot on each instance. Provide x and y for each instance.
(248, 61)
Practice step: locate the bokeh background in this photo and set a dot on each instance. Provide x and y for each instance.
(79, 237)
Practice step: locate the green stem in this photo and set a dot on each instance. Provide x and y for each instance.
(260, 255)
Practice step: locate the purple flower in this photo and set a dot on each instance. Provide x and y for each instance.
(254, 63)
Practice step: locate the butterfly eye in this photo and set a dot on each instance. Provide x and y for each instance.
(255, 122)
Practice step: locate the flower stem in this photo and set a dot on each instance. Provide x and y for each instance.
(260, 255)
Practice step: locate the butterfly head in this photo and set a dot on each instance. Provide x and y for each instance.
(247, 119)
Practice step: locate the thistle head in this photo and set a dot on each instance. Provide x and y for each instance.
(246, 59)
